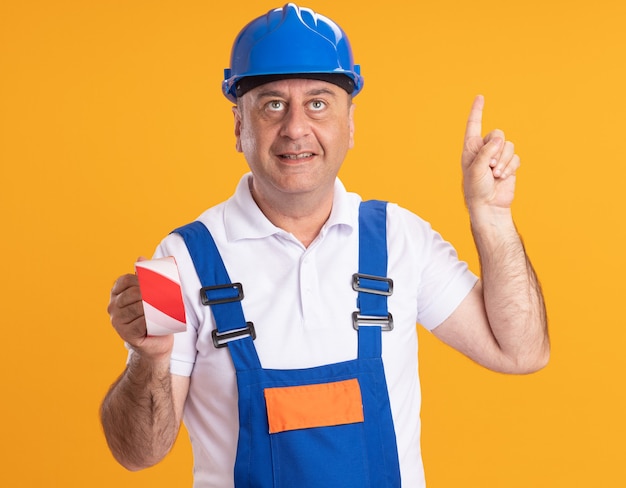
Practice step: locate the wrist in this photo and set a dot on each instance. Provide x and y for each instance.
(490, 216)
(145, 359)
(492, 224)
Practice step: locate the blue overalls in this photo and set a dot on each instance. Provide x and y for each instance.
(326, 426)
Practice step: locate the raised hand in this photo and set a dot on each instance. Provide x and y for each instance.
(489, 164)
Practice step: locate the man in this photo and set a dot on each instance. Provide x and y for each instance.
(298, 397)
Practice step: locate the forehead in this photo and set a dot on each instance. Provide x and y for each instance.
(295, 87)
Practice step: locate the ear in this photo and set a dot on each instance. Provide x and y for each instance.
(238, 122)
(351, 125)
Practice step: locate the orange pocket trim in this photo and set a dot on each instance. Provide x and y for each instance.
(320, 405)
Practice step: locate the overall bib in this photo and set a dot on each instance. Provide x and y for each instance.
(326, 426)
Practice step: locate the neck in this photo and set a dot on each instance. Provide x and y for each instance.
(301, 215)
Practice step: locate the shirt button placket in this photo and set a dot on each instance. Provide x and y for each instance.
(308, 282)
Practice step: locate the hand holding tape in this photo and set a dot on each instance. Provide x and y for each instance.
(161, 295)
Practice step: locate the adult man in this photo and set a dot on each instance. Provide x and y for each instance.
(294, 237)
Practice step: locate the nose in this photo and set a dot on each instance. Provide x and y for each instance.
(295, 123)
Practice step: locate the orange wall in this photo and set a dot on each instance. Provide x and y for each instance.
(113, 131)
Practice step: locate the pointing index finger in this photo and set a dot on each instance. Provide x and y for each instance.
(475, 119)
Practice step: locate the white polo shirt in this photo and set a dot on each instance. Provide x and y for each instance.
(301, 302)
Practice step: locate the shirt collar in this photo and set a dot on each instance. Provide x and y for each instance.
(243, 219)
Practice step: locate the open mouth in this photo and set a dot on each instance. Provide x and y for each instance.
(296, 157)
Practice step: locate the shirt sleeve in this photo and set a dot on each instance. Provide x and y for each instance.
(443, 280)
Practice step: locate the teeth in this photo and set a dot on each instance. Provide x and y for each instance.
(297, 156)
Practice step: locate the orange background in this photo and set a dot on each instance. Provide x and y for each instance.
(113, 131)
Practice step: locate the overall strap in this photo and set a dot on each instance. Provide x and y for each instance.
(222, 295)
(371, 281)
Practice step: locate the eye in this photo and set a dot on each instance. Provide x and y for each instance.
(276, 105)
(317, 105)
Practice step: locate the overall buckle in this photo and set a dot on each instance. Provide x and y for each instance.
(237, 297)
(385, 323)
(221, 339)
(359, 283)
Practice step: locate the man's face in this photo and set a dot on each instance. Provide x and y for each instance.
(295, 134)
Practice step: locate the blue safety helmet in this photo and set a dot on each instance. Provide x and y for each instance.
(291, 42)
